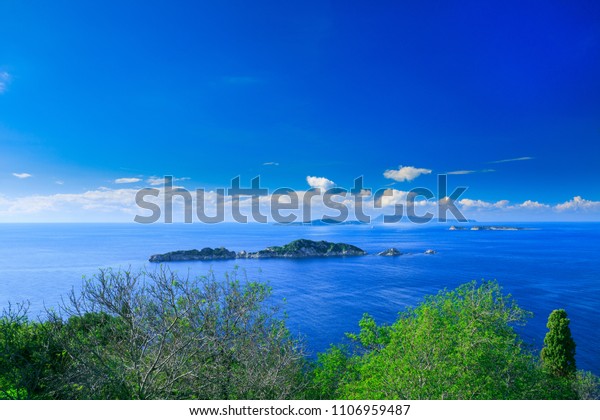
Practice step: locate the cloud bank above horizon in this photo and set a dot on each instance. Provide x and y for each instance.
(118, 205)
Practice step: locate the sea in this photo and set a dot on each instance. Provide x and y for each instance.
(546, 266)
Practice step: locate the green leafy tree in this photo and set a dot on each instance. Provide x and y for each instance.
(160, 335)
(330, 373)
(28, 360)
(558, 354)
(458, 344)
(19, 376)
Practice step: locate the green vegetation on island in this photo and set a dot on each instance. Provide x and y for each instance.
(300, 248)
(486, 228)
(205, 254)
(303, 248)
(160, 335)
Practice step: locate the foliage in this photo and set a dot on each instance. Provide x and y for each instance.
(299, 246)
(558, 354)
(28, 359)
(159, 335)
(456, 345)
(586, 386)
(330, 372)
(19, 342)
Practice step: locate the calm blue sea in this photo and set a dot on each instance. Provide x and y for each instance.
(550, 266)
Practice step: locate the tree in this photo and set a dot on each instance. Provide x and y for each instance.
(558, 354)
(159, 335)
(27, 358)
(586, 386)
(457, 344)
(19, 340)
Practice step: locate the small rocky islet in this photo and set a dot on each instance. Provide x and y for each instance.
(391, 252)
(300, 248)
(486, 228)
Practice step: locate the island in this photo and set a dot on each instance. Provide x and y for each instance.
(322, 222)
(205, 254)
(300, 248)
(392, 252)
(486, 228)
(303, 248)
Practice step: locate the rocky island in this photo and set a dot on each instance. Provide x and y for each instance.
(303, 248)
(205, 254)
(392, 252)
(300, 248)
(485, 228)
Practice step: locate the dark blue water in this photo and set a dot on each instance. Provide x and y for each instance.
(551, 266)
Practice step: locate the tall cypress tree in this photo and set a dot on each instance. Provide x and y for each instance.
(558, 354)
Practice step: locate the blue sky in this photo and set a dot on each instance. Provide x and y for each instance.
(91, 93)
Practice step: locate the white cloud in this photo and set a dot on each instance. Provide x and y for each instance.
(154, 180)
(529, 204)
(319, 182)
(271, 164)
(578, 203)
(4, 79)
(59, 182)
(480, 204)
(157, 181)
(365, 193)
(127, 180)
(467, 172)
(574, 205)
(405, 173)
(460, 172)
(391, 197)
(101, 199)
(108, 204)
(22, 175)
(501, 204)
(512, 160)
(469, 203)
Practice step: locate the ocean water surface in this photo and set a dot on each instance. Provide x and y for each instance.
(550, 266)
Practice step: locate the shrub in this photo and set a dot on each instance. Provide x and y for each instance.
(455, 345)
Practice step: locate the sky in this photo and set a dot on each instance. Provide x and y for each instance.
(101, 99)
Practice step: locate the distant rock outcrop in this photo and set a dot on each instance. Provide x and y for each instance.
(486, 228)
(323, 222)
(391, 252)
(496, 228)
